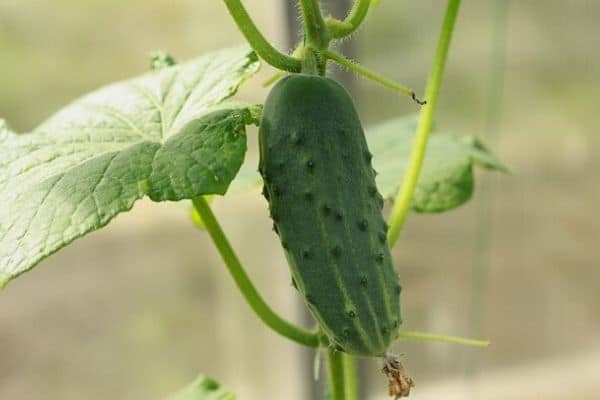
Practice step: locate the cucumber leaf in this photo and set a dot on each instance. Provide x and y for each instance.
(166, 134)
(446, 180)
(203, 388)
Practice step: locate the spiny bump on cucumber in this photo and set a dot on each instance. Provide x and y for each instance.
(364, 280)
(363, 224)
(336, 250)
(321, 189)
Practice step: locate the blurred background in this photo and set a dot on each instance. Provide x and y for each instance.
(137, 310)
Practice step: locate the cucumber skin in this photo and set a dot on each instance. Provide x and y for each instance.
(324, 202)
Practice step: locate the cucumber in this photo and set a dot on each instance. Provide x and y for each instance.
(326, 209)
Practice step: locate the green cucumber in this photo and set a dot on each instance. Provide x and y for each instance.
(321, 190)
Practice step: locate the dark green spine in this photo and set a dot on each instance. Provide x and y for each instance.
(321, 189)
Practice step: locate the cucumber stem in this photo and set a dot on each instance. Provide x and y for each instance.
(434, 337)
(404, 197)
(258, 42)
(249, 291)
(310, 64)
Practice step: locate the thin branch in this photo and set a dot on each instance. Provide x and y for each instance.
(258, 42)
(249, 291)
(434, 337)
(367, 73)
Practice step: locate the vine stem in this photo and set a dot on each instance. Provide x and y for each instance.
(249, 291)
(335, 365)
(315, 29)
(434, 337)
(409, 181)
(340, 29)
(259, 43)
(351, 389)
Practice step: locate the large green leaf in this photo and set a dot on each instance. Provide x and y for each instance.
(446, 179)
(166, 134)
(203, 388)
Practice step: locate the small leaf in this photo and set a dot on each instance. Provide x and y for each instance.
(165, 135)
(203, 388)
(446, 179)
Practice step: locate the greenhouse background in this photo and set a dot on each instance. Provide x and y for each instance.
(137, 310)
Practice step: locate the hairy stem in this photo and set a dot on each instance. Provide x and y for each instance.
(434, 337)
(335, 365)
(314, 24)
(367, 73)
(310, 63)
(351, 389)
(258, 42)
(340, 29)
(249, 291)
(409, 181)
(298, 51)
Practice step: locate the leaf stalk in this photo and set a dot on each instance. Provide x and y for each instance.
(249, 291)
